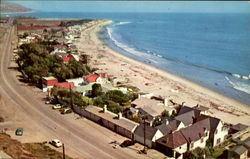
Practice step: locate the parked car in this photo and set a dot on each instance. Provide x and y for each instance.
(66, 111)
(19, 131)
(57, 106)
(57, 143)
(47, 102)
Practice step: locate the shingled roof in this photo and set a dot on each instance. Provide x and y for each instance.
(188, 117)
(213, 122)
(169, 128)
(185, 109)
(173, 140)
(150, 131)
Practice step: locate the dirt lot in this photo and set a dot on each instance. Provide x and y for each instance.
(28, 150)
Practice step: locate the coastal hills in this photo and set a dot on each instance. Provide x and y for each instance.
(13, 8)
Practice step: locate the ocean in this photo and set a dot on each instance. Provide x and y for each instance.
(211, 49)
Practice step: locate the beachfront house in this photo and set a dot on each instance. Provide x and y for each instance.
(95, 78)
(151, 135)
(190, 116)
(152, 109)
(238, 152)
(238, 129)
(218, 130)
(48, 83)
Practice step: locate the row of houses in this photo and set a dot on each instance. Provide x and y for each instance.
(190, 129)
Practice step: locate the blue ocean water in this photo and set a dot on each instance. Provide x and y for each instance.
(210, 49)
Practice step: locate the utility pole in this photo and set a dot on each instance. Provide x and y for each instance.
(144, 132)
(71, 98)
(63, 151)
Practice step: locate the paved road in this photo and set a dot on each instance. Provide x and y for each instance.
(86, 141)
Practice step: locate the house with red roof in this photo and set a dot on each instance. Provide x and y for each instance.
(65, 85)
(173, 145)
(96, 78)
(67, 58)
(48, 83)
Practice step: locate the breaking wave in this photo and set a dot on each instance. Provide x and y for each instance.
(127, 48)
(239, 86)
(122, 23)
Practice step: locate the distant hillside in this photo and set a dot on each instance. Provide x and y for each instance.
(13, 8)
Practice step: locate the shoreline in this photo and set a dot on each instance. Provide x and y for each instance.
(4, 13)
(170, 85)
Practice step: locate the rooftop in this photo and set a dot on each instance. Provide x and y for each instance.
(111, 117)
(238, 149)
(149, 131)
(49, 78)
(173, 140)
(187, 118)
(65, 85)
(239, 127)
(169, 128)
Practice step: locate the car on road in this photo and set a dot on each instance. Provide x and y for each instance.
(57, 106)
(66, 111)
(19, 131)
(57, 143)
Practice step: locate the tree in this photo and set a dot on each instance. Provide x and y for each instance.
(96, 90)
(117, 96)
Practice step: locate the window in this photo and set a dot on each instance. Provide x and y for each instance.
(216, 131)
(202, 140)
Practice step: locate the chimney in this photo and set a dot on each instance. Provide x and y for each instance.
(104, 108)
(165, 102)
(119, 115)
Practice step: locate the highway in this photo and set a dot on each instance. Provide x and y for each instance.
(82, 139)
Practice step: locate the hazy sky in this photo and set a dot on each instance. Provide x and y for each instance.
(136, 6)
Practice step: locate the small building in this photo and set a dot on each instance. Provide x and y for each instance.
(237, 152)
(48, 83)
(151, 135)
(96, 78)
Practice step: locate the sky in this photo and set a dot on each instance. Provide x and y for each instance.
(137, 6)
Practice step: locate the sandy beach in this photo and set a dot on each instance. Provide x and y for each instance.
(153, 80)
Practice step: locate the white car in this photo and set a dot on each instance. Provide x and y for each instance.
(57, 106)
(56, 143)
